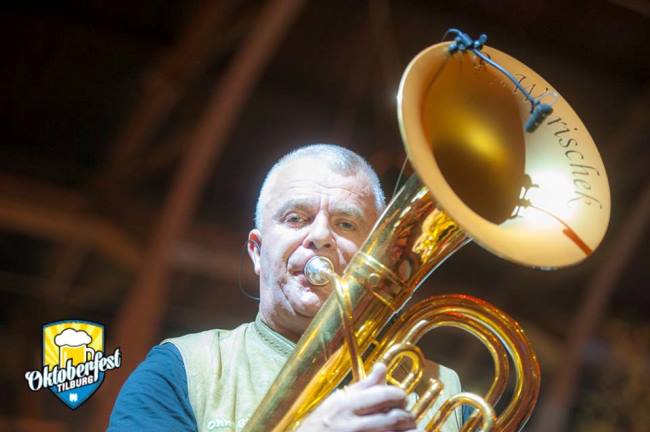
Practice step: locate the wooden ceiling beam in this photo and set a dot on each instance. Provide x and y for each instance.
(69, 227)
(138, 321)
(558, 404)
(51, 213)
(165, 84)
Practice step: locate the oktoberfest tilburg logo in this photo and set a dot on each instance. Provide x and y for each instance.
(74, 362)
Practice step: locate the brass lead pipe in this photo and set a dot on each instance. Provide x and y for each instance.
(320, 271)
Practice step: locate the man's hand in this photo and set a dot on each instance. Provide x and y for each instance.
(367, 406)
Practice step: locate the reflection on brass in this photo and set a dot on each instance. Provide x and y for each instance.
(540, 199)
(438, 229)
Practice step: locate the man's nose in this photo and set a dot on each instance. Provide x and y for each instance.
(320, 234)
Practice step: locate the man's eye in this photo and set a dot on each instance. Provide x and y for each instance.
(347, 226)
(295, 219)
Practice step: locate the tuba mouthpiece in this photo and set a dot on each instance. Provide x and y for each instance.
(317, 270)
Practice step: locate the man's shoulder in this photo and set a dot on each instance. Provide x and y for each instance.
(205, 349)
(205, 338)
(201, 337)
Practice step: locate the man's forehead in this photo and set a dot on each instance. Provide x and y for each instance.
(310, 202)
(309, 171)
(307, 167)
(306, 178)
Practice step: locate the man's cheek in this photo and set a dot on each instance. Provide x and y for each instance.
(348, 249)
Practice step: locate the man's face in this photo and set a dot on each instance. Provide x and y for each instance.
(309, 210)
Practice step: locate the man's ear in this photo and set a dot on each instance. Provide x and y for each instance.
(253, 247)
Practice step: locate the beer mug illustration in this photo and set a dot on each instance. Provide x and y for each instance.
(73, 345)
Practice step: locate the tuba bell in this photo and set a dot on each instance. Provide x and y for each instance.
(536, 195)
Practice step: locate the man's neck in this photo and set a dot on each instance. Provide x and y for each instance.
(292, 336)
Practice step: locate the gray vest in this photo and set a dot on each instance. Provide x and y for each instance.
(230, 371)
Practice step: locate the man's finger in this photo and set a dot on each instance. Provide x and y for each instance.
(393, 420)
(376, 399)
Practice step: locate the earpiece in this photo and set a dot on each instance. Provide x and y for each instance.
(256, 244)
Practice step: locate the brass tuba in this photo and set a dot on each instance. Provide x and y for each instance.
(537, 196)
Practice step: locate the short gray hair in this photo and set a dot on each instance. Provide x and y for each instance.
(339, 159)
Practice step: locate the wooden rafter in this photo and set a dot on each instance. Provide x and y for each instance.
(60, 216)
(557, 406)
(165, 84)
(139, 319)
(70, 227)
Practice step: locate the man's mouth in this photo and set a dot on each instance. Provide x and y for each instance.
(304, 282)
(302, 279)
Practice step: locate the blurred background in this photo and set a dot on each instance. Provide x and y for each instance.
(137, 134)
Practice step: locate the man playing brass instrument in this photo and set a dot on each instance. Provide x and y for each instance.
(319, 200)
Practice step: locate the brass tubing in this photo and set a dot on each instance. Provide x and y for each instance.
(408, 242)
(345, 306)
(487, 415)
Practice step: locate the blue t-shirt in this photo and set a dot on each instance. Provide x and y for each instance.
(154, 397)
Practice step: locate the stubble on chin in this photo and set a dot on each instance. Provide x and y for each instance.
(301, 299)
(294, 305)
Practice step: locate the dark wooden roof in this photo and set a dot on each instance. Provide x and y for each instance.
(102, 104)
